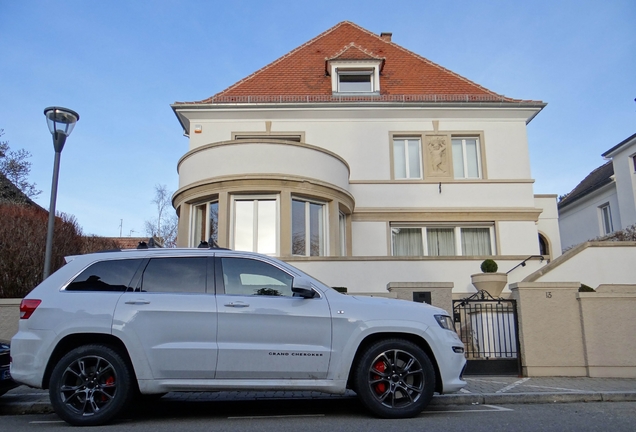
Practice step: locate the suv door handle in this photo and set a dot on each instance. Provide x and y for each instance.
(137, 302)
(237, 305)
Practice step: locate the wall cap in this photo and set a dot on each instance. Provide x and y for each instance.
(544, 285)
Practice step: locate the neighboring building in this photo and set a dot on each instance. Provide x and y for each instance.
(605, 201)
(366, 165)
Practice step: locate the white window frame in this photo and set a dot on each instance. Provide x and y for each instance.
(465, 158)
(355, 67)
(457, 236)
(194, 239)
(264, 197)
(324, 221)
(605, 219)
(406, 158)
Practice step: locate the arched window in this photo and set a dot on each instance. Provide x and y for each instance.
(544, 249)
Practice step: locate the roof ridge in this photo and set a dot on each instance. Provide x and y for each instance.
(278, 60)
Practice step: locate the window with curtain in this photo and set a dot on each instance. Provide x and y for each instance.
(441, 241)
(466, 158)
(407, 159)
(476, 241)
(407, 242)
(308, 228)
(255, 227)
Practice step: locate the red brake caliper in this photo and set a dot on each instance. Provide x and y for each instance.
(109, 382)
(380, 367)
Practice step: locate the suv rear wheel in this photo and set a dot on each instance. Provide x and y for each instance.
(90, 385)
(395, 379)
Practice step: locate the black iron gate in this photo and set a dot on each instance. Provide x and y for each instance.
(489, 329)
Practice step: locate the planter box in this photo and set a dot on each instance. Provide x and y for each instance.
(493, 283)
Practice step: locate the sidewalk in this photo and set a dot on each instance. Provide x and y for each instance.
(480, 390)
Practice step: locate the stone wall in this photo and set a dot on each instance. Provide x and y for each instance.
(567, 333)
(9, 317)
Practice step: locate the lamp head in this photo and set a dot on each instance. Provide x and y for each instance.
(61, 122)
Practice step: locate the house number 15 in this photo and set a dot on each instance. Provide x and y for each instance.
(548, 294)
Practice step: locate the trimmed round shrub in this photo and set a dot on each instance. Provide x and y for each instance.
(489, 266)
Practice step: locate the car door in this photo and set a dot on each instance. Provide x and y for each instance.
(264, 331)
(170, 318)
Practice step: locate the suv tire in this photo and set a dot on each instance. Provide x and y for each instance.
(90, 385)
(394, 378)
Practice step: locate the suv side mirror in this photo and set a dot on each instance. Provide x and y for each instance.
(302, 287)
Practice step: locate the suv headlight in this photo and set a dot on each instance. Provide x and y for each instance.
(445, 322)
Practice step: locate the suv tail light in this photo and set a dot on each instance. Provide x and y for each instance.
(27, 307)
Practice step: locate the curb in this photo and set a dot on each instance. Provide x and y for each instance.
(534, 398)
(44, 407)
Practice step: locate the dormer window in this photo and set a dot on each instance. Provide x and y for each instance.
(352, 81)
(354, 70)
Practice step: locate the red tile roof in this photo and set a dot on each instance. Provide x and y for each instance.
(300, 76)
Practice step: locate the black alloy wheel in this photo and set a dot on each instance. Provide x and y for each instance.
(395, 379)
(90, 386)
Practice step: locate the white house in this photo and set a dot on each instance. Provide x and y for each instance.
(366, 165)
(605, 201)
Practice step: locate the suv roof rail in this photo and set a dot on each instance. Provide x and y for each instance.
(210, 244)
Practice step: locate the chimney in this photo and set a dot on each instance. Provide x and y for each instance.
(386, 36)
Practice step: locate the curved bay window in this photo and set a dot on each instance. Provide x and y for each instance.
(308, 227)
(255, 224)
(205, 222)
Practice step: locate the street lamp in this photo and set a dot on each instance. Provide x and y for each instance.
(61, 122)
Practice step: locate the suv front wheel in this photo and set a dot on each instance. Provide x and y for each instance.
(90, 385)
(395, 379)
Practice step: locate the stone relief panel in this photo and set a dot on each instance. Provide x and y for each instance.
(437, 151)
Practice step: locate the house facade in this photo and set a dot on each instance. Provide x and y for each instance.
(605, 201)
(366, 165)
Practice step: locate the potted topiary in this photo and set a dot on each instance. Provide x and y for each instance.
(489, 280)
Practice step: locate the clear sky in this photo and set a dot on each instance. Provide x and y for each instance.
(121, 63)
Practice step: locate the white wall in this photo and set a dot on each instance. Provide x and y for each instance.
(518, 238)
(361, 136)
(373, 275)
(581, 220)
(592, 264)
(626, 184)
(369, 239)
(237, 159)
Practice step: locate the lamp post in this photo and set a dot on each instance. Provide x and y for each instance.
(61, 122)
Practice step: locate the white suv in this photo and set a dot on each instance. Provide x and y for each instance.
(109, 326)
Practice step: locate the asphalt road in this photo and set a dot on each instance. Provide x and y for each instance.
(348, 415)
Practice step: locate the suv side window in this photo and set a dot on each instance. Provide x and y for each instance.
(175, 275)
(112, 275)
(242, 276)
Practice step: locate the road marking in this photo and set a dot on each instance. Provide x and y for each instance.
(492, 408)
(275, 416)
(556, 388)
(464, 391)
(513, 385)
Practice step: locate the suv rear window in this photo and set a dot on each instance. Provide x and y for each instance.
(114, 275)
(175, 275)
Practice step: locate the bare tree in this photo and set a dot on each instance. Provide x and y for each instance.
(16, 167)
(164, 225)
